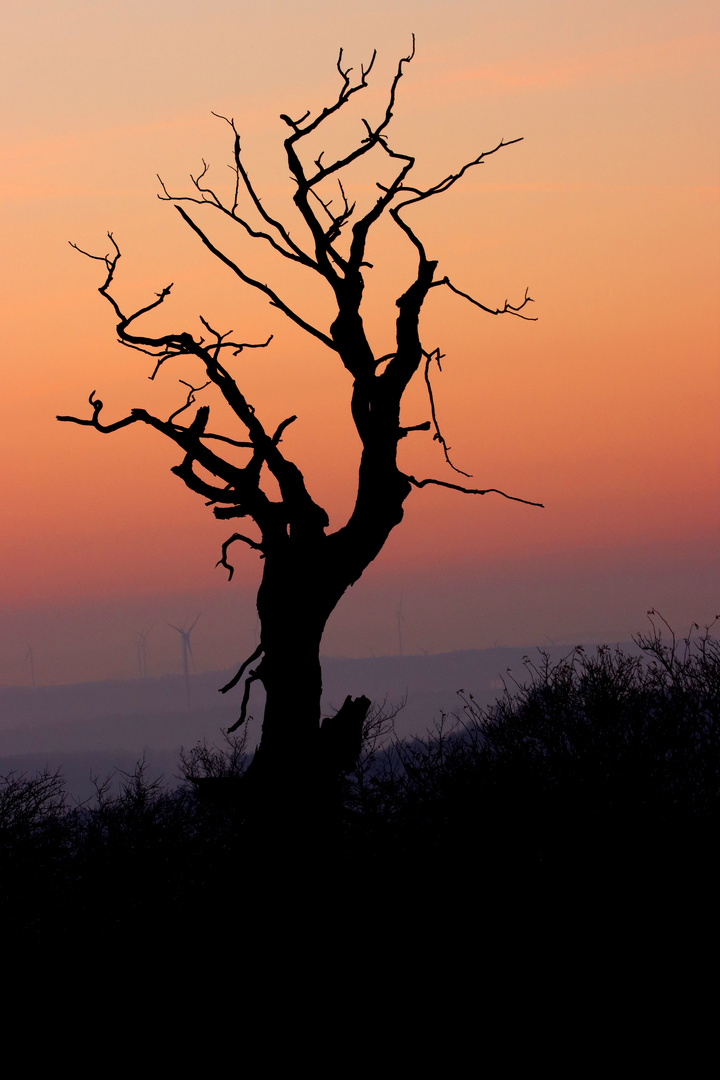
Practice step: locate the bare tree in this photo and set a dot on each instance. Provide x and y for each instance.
(306, 568)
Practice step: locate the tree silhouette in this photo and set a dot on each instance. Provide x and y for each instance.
(306, 568)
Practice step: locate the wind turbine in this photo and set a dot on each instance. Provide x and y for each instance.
(31, 657)
(400, 622)
(142, 651)
(186, 653)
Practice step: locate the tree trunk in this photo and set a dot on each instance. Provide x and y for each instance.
(292, 614)
(301, 586)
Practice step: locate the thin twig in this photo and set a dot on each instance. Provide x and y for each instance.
(507, 309)
(470, 491)
(438, 437)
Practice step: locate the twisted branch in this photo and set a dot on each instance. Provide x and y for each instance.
(437, 356)
(470, 491)
(252, 677)
(507, 309)
(222, 561)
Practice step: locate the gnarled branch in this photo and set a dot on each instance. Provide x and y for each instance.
(507, 309)
(470, 491)
(437, 356)
(95, 422)
(222, 561)
(252, 677)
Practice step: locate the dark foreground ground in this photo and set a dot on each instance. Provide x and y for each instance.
(586, 801)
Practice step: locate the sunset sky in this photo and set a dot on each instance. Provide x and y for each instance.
(606, 409)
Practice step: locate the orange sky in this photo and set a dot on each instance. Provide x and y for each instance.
(606, 409)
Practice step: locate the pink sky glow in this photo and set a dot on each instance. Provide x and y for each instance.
(606, 409)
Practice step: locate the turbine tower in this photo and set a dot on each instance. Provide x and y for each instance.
(186, 653)
(31, 657)
(142, 653)
(400, 622)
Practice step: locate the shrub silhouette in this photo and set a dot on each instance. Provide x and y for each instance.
(603, 766)
(603, 762)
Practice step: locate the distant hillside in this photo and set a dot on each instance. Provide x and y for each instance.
(93, 728)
